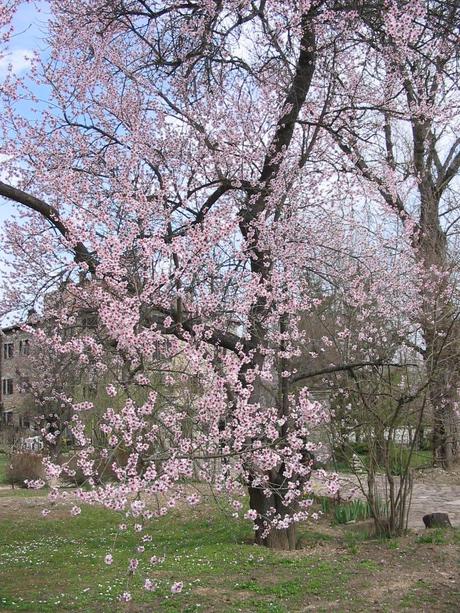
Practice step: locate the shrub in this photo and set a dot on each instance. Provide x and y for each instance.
(104, 470)
(355, 510)
(399, 458)
(361, 448)
(343, 455)
(22, 466)
(76, 476)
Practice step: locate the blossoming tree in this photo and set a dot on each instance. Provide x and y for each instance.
(177, 183)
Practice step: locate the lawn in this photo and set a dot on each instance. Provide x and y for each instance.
(3, 460)
(57, 564)
(419, 459)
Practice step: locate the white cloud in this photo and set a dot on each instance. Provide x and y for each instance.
(19, 60)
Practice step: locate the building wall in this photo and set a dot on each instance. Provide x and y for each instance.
(16, 408)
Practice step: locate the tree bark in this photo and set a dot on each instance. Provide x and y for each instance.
(441, 331)
(443, 397)
(282, 539)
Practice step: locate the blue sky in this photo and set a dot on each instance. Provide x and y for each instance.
(30, 26)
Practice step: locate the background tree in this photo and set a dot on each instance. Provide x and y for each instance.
(395, 117)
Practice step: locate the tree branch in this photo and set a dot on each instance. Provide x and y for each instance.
(449, 173)
(51, 214)
(341, 367)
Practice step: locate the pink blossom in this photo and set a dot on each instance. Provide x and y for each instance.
(133, 564)
(149, 585)
(111, 390)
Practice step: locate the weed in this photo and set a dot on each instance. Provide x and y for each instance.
(436, 537)
(368, 564)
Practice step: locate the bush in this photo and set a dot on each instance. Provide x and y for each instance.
(76, 476)
(104, 468)
(351, 510)
(343, 454)
(361, 448)
(22, 466)
(355, 510)
(399, 457)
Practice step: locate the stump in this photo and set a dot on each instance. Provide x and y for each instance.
(437, 520)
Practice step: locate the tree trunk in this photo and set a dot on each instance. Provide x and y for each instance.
(445, 426)
(380, 445)
(441, 330)
(282, 539)
(272, 505)
(442, 357)
(440, 326)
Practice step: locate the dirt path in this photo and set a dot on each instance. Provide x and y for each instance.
(433, 492)
(430, 498)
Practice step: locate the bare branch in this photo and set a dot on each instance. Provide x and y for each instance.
(342, 367)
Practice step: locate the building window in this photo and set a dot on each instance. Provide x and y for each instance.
(8, 417)
(7, 387)
(24, 421)
(89, 321)
(24, 347)
(8, 349)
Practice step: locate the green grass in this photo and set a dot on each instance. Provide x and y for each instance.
(22, 492)
(436, 536)
(3, 460)
(419, 459)
(56, 564)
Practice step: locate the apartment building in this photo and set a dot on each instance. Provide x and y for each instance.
(16, 406)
